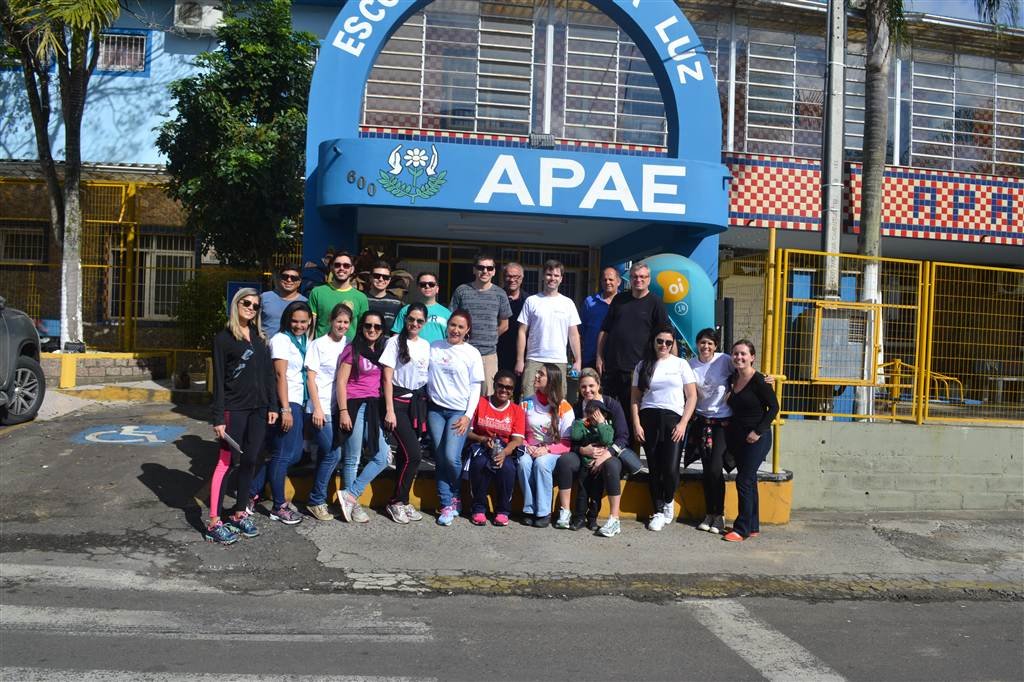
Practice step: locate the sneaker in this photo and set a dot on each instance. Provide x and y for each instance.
(285, 516)
(669, 512)
(243, 526)
(359, 515)
(478, 519)
(542, 521)
(718, 525)
(220, 534)
(705, 525)
(250, 507)
(500, 520)
(657, 522)
(577, 522)
(397, 513)
(732, 536)
(446, 516)
(564, 517)
(347, 503)
(412, 513)
(754, 534)
(319, 512)
(611, 528)
(457, 503)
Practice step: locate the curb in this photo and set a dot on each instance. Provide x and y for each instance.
(142, 395)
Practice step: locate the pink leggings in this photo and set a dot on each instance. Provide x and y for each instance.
(248, 428)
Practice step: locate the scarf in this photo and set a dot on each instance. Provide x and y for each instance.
(300, 343)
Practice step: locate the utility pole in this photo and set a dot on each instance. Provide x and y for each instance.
(832, 145)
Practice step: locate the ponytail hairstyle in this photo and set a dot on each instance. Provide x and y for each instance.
(555, 396)
(650, 359)
(403, 336)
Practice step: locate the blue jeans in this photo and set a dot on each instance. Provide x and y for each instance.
(285, 450)
(748, 458)
(447, 451)
(328, 462)
(537, 482)
(353, 452)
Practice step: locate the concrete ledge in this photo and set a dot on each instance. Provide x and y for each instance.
(68, 370)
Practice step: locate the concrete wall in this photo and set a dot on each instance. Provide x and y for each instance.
(852, 466)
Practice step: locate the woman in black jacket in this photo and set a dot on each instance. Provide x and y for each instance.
(748, 435)
(243, 405)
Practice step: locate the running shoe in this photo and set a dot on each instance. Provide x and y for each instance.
(500, 520)
(611, 528)
(397, 513)
(457, 503)
(478, 519)
(542, 521)
(718, 525)
(564, 519)
(347, 503)
(412, 513)
(250, 507)
(446, 516)
(286, 516)
(319, 512)
(705, 525)
(657, 522)
(669, 512)
(359, 515)
(220, 534)
(243, 526)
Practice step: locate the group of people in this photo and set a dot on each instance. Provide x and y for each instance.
(361, 371)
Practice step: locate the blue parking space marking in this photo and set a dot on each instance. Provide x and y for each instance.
(130, 434)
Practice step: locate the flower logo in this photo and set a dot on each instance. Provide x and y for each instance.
(416, 163)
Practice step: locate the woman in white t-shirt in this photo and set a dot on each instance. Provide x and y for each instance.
(663, 400)
(405, 360)
(453, 387)
(321, 368)
(288, 351)
(707, 431)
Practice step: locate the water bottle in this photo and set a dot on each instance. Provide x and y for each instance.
(496, 450)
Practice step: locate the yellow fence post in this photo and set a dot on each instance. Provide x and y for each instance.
(130, 259)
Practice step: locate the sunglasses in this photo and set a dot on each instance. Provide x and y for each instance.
(372, 327)
(346, 266)
(246, 303)
(290, 278)
(418, 321)
(664, 342)
(484, 268)
(428, 285)
(504, 387)
(381, 275)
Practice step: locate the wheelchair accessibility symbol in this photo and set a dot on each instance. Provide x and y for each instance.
(143, 434)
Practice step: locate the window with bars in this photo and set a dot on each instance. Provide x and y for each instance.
(23, 241)
(122, 52)
(162, 264)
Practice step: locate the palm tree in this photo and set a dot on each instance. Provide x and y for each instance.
(64, 33)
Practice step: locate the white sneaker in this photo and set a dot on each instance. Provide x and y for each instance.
(657, 522)
(705, 525)
(611, 528)
(347, 504)
(669, 512)
(564, 517)
(718, 525)
(412, 513)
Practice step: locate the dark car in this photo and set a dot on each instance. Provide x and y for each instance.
(22, 384)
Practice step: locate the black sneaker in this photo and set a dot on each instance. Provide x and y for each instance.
(542, 521)
(577, 523)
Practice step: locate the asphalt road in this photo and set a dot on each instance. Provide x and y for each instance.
(103, 576)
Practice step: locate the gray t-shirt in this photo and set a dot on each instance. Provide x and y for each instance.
(486, 307)
(272, 307)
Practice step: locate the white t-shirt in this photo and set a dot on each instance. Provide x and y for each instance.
(412, 374)
(671, 374)
(712, 385)
(452, 373)
(538, 422)
(282, 348)
(322, 358)
(548, 319)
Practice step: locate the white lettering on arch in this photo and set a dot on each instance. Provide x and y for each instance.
(610, 174)
(505, 166)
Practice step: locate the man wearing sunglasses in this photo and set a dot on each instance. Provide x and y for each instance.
(338, 289)
(379, 297)
(437, 315)
(273, 302)
(489, 307)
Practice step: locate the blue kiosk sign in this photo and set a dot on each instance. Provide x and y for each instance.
(675, 203)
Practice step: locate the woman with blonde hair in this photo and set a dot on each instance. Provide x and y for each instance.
(244, 403)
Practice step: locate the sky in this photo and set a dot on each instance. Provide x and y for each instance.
(963, 9)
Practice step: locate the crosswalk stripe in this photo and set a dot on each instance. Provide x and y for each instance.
(99, 578)
(71, 621)
(53, 675)
(765, 649)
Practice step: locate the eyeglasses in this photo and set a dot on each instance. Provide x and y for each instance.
(504, 387)
(513, 276)
(428, 285)
(346, 266)
(484, 268)
(372, 327)
(418, 321)
(291, 278)
(381, 275)
(664, 342)
(246, 303)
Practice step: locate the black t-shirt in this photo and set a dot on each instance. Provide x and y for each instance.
(243, 375)
(753, 408)
(507, 341)
(628, 327)
(388, 306)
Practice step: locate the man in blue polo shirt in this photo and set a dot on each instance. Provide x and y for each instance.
(595, 308)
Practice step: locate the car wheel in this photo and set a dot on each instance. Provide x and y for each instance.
(27, 393)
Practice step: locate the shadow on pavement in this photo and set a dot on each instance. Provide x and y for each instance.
(180, 489)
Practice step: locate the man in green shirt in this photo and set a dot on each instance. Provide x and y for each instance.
(338, 289)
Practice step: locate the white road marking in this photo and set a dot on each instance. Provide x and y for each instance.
(53, 675)
(100, 578)
(88, 622)
(768, 651)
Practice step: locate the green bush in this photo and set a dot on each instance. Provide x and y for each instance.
(202, 305)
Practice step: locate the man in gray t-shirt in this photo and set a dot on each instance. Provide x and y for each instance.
(489, 307)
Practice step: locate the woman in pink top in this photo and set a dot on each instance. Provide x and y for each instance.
(358, 386)
(548, 432)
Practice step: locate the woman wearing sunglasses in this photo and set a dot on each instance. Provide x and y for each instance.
(498, 430)
(243, 406)
(405, 360)
(358, 388)
(453, 387)
(664, 397)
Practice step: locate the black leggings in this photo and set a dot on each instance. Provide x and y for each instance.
(590, 486)
(248, 428)
(662, 454)
(407, 459)
(712, 460)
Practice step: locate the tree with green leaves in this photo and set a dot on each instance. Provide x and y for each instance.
(236, 145)
(61, 33)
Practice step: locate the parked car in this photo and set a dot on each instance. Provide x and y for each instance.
(22, 384)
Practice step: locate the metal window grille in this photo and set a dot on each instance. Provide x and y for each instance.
(122, 52)
(23, 241)
(162, 264)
